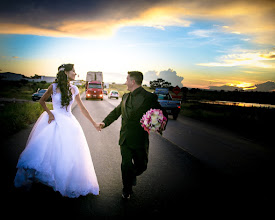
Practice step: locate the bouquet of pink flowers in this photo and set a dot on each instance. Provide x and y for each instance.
(153, 120)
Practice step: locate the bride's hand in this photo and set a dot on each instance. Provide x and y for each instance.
(51, 118)
(97, 126)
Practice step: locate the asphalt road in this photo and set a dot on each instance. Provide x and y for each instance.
(194, 169)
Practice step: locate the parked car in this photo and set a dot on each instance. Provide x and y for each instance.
(165, 99)
(36, 96)
(113, 94)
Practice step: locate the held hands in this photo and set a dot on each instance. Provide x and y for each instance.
(99, 126)
(102, 125)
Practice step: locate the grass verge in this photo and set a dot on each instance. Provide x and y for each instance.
(250, 122)
(17, 116)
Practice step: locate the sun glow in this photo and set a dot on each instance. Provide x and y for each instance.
(113, 57)
(243, 85)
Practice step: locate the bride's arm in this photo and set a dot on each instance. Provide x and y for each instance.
(85, 112)
(42, 102)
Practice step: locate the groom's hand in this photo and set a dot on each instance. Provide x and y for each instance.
(163, 126)
(97, 126)
(102, 125)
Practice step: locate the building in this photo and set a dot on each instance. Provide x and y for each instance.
(48, 79)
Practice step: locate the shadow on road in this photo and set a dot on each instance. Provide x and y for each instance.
(206, 193)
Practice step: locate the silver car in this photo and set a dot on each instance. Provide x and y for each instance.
(113, 94)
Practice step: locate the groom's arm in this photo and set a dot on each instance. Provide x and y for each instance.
(113, 115)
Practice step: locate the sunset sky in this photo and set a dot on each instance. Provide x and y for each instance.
(199, 44)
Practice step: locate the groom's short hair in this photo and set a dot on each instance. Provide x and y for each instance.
(137, 76)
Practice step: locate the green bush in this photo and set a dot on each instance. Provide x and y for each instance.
(21, 89)
(17, 116)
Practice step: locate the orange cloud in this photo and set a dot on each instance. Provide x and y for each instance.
(256, 18)
(250, 59)
(103, 18)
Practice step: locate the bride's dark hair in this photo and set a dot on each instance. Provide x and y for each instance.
(64, 84)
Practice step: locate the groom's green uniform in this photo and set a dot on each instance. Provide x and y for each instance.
(133, 141)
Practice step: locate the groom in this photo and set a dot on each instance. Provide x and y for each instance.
(134, 141)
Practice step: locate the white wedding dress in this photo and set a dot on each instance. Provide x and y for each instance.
(57, 154)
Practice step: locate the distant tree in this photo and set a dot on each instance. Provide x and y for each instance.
(166, 84)
(35, 77)
(159, 83)
(154, 84)
(194, 90)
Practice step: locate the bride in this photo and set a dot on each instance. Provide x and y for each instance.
(57, 153)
